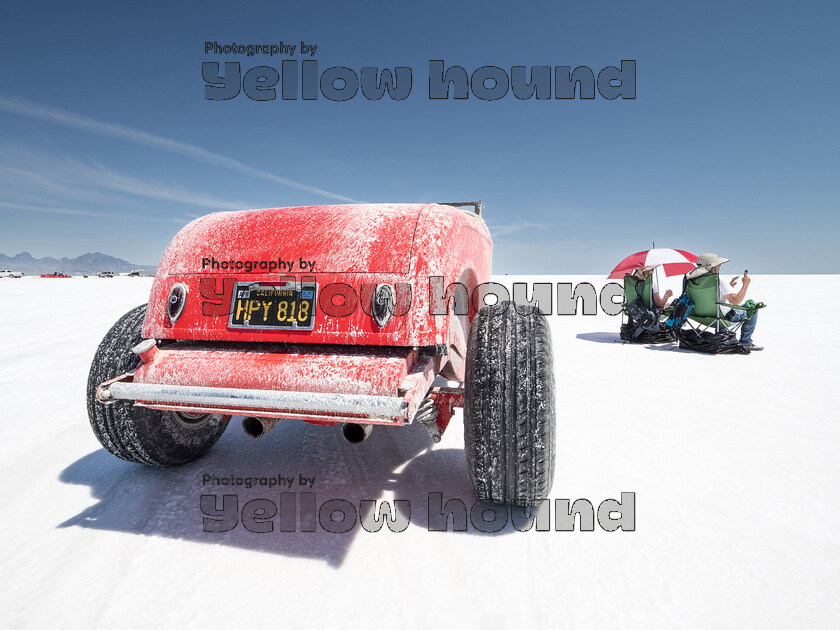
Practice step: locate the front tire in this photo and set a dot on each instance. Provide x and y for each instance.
(138, 434)
(509, 415)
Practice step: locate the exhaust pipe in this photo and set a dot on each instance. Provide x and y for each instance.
(356, 433)
(258, 427)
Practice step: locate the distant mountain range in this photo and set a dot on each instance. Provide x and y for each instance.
(86, 264)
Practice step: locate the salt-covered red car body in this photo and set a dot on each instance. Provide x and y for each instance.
(328, 314)
(359, 246)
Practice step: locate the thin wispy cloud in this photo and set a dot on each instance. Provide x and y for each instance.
(28, 207)
(69, 177)
(500, 230)
(111, 181)
(129, 134)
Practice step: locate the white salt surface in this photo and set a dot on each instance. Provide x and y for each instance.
(732, 459)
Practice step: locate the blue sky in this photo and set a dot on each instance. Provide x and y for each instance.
(731, 145)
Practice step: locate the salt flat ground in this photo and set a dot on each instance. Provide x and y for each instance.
(733, 461)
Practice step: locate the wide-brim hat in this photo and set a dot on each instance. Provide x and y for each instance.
(697, 272)
(710, 260)
(705, 262)
(646, 268)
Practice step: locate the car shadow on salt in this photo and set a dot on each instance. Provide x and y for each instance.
(284, 469)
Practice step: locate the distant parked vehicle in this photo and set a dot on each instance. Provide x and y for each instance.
(105, 274)
(55, 274)
(7, 273)
(141, 273)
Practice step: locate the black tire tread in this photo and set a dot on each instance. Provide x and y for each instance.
(137, 434)
(509, 411)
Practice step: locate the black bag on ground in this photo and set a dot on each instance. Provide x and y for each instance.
(644, 325)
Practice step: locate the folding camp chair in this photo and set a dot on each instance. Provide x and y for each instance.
(649, 328)
(708, 329)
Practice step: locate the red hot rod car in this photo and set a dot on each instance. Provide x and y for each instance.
(332, 315)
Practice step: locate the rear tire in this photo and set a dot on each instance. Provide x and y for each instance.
(509, 415)
(138, 434)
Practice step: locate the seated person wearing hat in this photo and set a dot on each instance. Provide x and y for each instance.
(642, 273)
(710, 263)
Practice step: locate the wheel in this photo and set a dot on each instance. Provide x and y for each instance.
(509, 405)
(138, 434)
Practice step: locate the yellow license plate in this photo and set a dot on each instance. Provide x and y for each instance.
(286, 304)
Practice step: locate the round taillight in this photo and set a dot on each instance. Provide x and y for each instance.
(383, 304)
(176, 302)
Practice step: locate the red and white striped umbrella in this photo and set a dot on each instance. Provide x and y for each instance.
(674, 262)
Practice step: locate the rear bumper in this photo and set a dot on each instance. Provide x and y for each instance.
(257, 402)
(322, 384)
